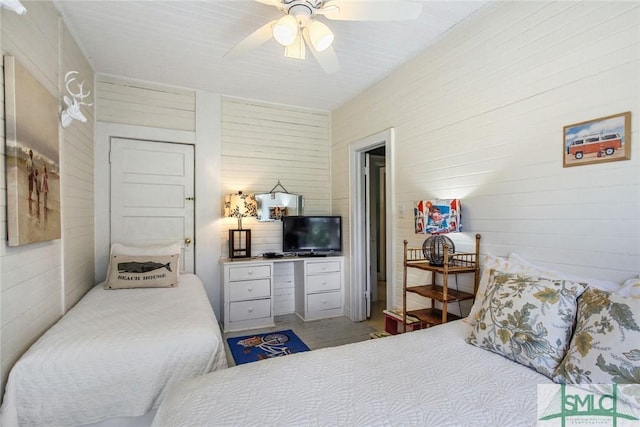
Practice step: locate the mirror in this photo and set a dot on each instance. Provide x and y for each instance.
(273, 206)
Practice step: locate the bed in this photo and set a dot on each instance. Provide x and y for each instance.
(484, 370)
(427, 377)
(113, 356)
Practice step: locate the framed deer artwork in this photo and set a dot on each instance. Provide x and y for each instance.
(32, 157)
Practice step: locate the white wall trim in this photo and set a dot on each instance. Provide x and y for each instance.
(359, 265)
(209, 195)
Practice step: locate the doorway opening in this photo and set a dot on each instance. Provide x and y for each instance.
(372, 235)
(375, 195)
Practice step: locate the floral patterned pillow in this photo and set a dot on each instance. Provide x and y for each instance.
(488, 262)
(527, 319)
(605, 347)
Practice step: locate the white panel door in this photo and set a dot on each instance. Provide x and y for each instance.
(152, 195)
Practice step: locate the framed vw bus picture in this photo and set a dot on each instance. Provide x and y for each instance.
(606, 139)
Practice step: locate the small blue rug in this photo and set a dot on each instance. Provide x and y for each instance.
(251, 348)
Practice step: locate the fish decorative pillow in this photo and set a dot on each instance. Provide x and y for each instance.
(142, 271)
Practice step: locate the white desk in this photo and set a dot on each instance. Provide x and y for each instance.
(249, 294)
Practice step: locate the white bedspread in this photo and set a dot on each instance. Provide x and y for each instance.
(113, 355)
(429, 377)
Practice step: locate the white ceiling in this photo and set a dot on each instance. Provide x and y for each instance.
(182, 43)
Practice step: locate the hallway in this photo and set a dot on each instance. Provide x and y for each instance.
(376, 320)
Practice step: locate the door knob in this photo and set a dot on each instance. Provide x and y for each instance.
(187, 241)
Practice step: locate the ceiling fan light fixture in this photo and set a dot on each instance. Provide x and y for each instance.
(285, 31)
(320, 35)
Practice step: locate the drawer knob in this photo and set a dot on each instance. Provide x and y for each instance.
(250, 309)
(250, 289)
(324, 267)
(250, 272)
(324, 282)
(324, 301)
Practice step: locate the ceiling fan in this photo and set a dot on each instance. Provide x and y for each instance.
(299, 27)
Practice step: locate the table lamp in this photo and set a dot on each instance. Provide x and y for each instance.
(240, 206)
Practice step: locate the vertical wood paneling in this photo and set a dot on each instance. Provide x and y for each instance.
(479, 116)
(77, 170)
(263, 143)
(131, 102)
(32, 289)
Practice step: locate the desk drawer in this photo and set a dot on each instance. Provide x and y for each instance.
(249, 272)
(247, 310)
(249, 289)
(323, 282)
(323, 267)
(324, 301)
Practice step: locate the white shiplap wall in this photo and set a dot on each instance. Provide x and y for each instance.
(33, 293)
(77, 170)
(240, 145)
(131, 102)
(479, 116)
(263, 143)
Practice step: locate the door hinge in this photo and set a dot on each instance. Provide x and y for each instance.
(365, 171)
(109, 156)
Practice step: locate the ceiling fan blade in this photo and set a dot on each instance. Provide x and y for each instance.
(252, 41)
(370, 10)
(327, 59)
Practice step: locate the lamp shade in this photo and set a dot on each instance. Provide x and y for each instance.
(285, 31)
(320, 35)
(240, 206)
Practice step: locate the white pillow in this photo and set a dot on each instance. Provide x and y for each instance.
(537, 270)
(169, 249)
(631, 288)
(143, 271)
(515, 263)
(120, 249)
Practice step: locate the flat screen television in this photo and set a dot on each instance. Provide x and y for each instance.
(310, 235)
